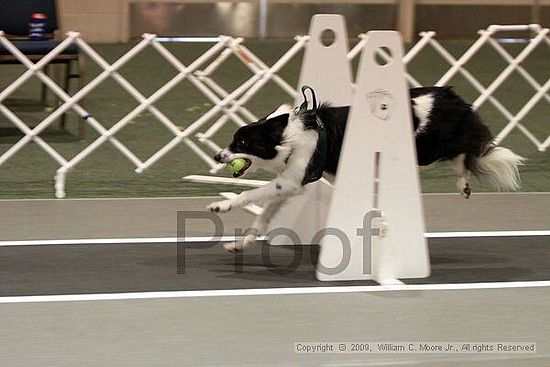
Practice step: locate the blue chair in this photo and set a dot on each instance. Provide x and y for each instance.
(14, 21)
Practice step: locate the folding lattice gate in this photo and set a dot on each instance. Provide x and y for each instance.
(232, 104)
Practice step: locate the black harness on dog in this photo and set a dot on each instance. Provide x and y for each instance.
(316, 165)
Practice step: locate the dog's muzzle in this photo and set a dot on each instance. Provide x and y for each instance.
(223, 156)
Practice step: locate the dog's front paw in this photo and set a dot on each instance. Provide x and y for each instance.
(220, 206)
(466, 191)
(234, 247)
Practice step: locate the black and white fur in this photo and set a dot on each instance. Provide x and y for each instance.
(445, 129)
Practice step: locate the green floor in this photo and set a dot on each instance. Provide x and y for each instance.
(106, 173)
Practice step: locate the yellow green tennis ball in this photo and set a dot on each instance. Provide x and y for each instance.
(236, 165)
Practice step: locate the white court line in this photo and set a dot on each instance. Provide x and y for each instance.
(206, 239)
(116, 199)
(450, 194)
(487, 234)
(271, 292)
(118, 241)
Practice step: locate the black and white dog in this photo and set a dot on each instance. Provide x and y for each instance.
(286, 143)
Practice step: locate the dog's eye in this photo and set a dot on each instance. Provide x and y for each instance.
(242, 143)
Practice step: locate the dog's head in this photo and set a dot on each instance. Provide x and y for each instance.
(260, 144)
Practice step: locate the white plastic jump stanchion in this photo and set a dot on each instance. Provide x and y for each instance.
(327, 70)
(356, 51)
(377, 179)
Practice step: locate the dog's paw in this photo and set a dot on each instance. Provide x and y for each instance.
(466, 192)
(220, 206)
(233, 247)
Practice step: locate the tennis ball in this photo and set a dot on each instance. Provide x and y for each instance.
(236, 165)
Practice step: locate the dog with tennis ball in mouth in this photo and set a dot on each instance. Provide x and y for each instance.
(301, 146)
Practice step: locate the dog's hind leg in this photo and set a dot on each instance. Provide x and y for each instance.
(258, 227)
(462, 174)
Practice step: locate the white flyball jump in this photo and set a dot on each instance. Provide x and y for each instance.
(377, 179)
(370, 224)
(377, 184)
(327, 70)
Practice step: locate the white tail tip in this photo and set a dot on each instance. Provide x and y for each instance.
(501, 168)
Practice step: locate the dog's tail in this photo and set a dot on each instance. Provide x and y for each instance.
(499, 166)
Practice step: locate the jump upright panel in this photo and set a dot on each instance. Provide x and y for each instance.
(325, 66)
(326, 69)
(377, 183)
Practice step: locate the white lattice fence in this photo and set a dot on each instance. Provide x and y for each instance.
(231, 105)
(514, 64)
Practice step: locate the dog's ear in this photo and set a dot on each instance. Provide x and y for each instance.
(277, 124)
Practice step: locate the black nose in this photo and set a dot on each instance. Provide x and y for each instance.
(218, 157)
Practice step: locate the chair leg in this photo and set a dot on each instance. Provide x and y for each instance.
(66, 77)
(82, 123)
